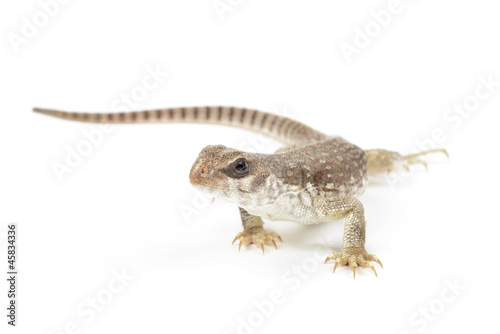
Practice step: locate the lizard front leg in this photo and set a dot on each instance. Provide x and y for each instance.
(353, 251)
(254, 233)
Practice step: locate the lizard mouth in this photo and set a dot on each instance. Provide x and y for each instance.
(200, 182)
(203, 185)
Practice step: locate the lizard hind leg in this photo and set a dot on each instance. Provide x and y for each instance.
(381, 160)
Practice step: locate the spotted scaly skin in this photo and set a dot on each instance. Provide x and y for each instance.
(315, 178)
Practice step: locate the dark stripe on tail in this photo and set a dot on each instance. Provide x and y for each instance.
(281, 128)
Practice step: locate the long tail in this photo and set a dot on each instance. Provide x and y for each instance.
(281, 128)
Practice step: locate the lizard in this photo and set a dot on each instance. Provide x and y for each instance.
(315, 178)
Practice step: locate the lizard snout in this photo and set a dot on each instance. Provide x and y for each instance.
(198, 173)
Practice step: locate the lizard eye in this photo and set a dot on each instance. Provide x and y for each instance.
(240, 167)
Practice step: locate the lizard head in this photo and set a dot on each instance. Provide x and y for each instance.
(239, 177)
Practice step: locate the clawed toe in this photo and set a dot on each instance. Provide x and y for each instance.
(374, 258)
(238, 236)
(353, 258)
(259, 237)
(411, 159)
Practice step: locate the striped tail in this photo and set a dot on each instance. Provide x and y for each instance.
(281, 128)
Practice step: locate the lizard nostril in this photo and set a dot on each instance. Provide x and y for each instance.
(203, 170)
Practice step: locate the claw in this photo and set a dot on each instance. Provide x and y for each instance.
(330, 257)
(335, 266)
(353, 268)
(261, 245)
(353, 260)
(410, 158)
(442, 150)
(258, 237)
(375, 259)
(412, 162)
(423, 163)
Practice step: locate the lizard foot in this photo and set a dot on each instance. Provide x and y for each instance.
(382, 160)
(257, 236)
(412, 159)
(354, 257)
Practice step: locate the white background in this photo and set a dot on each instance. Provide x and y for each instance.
(120, 208)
